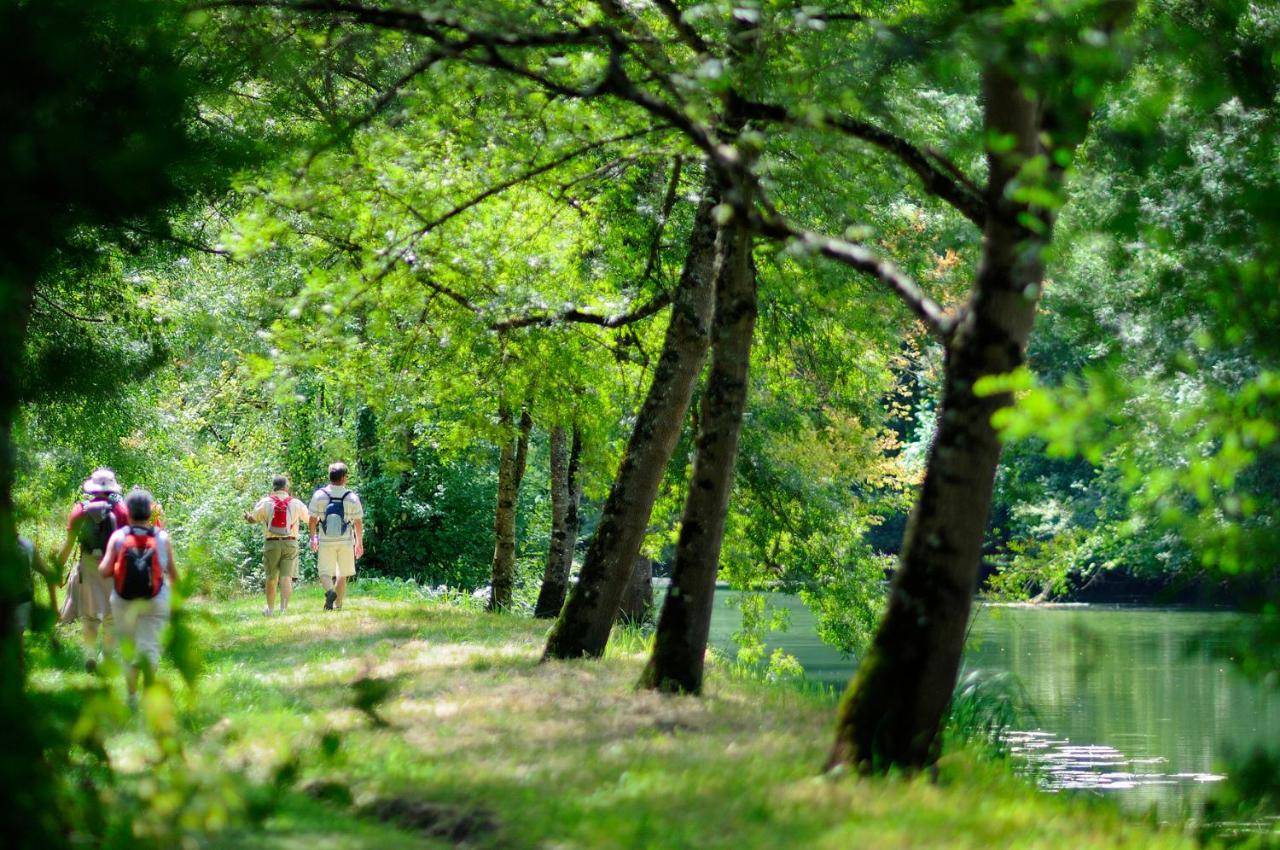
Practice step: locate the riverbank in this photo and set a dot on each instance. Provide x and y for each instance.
(405, 722)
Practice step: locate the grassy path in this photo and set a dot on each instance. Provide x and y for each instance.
(484, 747)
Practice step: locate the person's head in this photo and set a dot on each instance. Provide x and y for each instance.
(101, 483)
(338, 473)
(139, 503)
(280, 482)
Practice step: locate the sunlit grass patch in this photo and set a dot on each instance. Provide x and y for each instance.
(412, 720)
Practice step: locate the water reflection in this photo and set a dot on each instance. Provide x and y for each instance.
(1127, 700)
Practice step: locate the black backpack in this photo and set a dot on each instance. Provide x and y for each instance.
(97, 523)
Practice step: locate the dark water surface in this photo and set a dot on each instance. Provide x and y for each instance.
(1127, 700)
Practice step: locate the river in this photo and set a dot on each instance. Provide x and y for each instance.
(1127, 700)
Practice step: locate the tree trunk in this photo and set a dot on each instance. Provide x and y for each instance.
(681, 642)
(32, 818)
(891, 713)
(584, 624)
(637, 601)
(559, 553)
(511, 464)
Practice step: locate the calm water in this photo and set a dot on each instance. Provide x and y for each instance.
(1127, 700)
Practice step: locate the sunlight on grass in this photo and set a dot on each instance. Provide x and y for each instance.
(462, 732)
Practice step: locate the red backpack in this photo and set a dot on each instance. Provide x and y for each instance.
(280, 516)
(138, 572)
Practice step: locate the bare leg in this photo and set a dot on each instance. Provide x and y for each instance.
(327, 582)
(271, 594)
(286, 590)
(89, 631)
(342, 590)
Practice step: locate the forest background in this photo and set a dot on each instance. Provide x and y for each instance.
(265, 329)
(432, 267)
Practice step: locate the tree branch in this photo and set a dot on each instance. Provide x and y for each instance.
(860, 258)
(574, 315)
(64, 311)
(687, 34)
(957, 191)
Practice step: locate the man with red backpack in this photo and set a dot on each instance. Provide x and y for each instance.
(139, 566)
(92, 522)
(281, 517)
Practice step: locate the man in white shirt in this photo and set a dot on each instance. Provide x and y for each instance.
(281, 517)
(337, 534)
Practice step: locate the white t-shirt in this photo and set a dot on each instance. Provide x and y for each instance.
(266, 509)
(351, 508)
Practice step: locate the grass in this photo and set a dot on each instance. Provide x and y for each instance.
(485, 747)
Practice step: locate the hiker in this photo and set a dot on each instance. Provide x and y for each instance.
(92, 522)
(337, 534)
(138, 563)
(30, 559)
(281, 516)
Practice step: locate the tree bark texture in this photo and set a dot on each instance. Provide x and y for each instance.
(511, 464)
(892, 711)
(680, 644)
(555, 578)
(637, 601)
(587, 618)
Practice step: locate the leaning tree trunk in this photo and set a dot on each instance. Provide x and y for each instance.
(511, 465)
(584, 624)
(891, 714)
(559, 553)
(681, 642)
(32, 818)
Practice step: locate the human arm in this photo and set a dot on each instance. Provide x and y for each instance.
(255, 515)
(107, 566)
(312, 522)
(60, 558)
(358, 526)
(172, 568)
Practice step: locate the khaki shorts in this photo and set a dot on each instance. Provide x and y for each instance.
(336, 559)
(280, 558)
(139, 623)
(95, 591)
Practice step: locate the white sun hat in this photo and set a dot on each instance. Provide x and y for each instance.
(102, 480)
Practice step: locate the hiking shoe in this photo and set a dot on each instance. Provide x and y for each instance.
(329, 597)
(91, 665)
(266, 611)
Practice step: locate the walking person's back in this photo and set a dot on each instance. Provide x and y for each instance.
(281, 517)
(139, 564)
(91, 524)
(337, 534)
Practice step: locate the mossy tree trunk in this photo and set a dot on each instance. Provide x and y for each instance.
(891, 714)
(680, 645)
(637, 602)
(583, 626)
(511, 465)
(555, 578)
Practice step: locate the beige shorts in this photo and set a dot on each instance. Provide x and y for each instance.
(139, 623)
(336, 559)
(280, 559)
(95, 591)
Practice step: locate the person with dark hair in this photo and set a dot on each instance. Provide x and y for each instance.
(139, 563)
(92, 522)
(281, 517)
(337, 534)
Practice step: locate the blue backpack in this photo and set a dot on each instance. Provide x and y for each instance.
(335, 515)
